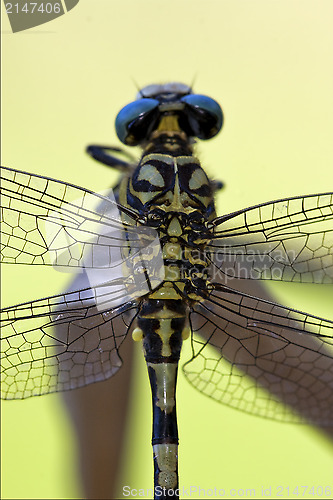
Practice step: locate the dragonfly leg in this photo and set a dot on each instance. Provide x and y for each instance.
(216, 185)
(100, 153)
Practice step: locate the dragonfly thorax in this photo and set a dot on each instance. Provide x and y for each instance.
(174, 196)
(169, 184)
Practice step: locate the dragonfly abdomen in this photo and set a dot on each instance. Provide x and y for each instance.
(162, 325)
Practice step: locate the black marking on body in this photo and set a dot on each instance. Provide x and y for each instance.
(156, 176)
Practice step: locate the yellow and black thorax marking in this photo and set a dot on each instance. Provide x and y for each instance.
(173, 195)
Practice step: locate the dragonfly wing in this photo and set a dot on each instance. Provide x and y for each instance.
(45, 221)
(65, 341)
(253, 354)
(288, 240)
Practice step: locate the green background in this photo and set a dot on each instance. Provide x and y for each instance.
(269, 64)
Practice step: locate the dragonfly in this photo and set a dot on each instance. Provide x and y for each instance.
(160, 265)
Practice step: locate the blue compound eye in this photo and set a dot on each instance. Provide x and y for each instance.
(202, 117)
(136, 120)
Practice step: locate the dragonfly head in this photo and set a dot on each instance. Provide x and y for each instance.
(171, 108)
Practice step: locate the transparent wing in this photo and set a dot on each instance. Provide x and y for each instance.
(65, 341)
(288, 240)
(252, 354)
(45, 221)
